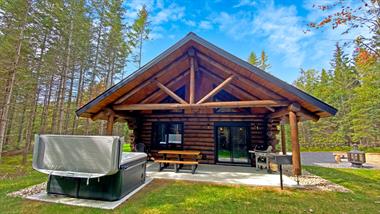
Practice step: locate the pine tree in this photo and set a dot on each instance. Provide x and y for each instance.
(261, 62)
(264, 65)
(253, 59)
(139, 32)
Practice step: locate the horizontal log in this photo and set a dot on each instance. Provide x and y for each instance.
(201, 132)
(228, 104)
(202, 148)
(197, 135)
(203, 139)
(199, 144)
(203, 116)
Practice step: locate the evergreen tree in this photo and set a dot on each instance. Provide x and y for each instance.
(253, 59)
(139, 32)
(264, 65)
(261, 62)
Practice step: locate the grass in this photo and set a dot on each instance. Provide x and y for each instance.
(339, 149)
(164, 196)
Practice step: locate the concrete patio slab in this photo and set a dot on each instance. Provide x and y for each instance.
(223, 175)
(61, 199)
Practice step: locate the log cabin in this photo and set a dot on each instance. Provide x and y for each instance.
(196, 96)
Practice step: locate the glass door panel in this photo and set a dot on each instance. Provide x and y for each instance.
(224, 145)
(232, 144)
(239, 144)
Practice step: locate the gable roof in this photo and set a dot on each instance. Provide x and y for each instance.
(323, 109)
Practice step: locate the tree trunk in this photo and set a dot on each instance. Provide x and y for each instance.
(45, 110)
(9, 89)
(63, 82)
(21, 127)
(68, 109)
(94, 70)
(79, 95)
(37, 90)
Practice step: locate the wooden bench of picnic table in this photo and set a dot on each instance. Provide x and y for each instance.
(177, 164)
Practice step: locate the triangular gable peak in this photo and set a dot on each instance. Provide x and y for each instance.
(204, 70)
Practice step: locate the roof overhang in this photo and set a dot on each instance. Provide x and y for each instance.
(175, 52)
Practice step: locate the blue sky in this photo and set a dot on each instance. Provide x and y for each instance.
(242, 26)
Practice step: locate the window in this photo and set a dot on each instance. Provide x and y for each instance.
(167, 135)
(225, 96)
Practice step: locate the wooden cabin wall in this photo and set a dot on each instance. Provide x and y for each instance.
(199, 130)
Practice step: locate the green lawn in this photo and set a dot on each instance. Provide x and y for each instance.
(163, 196)
(339, 149)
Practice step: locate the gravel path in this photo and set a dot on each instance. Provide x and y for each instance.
(326, 159)
(314, 158)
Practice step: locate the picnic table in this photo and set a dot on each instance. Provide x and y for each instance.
(179, 162)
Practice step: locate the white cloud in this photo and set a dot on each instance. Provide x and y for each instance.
(284, 32)
(206, 25)
(243, 3)
(280, 28)
(235, 25)
(160, 12)
(190, 23)
(171, 13)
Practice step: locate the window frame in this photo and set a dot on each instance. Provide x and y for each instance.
(156, 145)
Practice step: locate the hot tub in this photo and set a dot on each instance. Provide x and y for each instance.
(92, 167)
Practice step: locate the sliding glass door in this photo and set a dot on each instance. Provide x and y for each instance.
(232, 143)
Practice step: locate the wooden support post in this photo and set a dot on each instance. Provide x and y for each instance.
(283, 139)
(191, 53)
(110, 122)
(296, 154)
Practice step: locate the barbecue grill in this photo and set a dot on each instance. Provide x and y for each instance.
(92, 167)
(281, 160)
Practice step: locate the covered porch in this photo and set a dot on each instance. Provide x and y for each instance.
(222, 174)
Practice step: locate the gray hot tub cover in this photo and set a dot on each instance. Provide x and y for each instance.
(77, 156)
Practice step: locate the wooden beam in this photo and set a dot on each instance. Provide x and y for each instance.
(241, 78)
(153, 96)
(295, 107)
(171, 93)
(296, 154)
(149, 80)
(279, 113)
(216, 90)
(192, 80)
(232, 104)
(98, 116)
(233, 86)
(110, 122)
(283, 139)
(307, 115)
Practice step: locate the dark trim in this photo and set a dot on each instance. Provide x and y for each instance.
(154, 126)
(191, 36)
(232, 124)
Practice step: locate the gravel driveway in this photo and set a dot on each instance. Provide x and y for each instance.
(316, 158)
